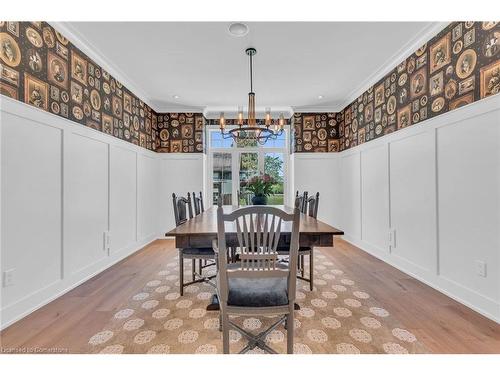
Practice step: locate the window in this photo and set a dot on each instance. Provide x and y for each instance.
(242, 160)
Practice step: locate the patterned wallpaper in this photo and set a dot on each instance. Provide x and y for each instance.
(180, 132)
(458, 66)
(316, 132)
(43, 68)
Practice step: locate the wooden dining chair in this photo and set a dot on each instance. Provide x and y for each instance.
(313, 204)
(258, 284)
(183, 212)
(246, 196)
(198, 204)
(301, 201)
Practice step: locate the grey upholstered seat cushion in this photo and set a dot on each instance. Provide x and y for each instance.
(257, 292)
(195, 251)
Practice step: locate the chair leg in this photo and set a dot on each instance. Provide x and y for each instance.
(302, 266)
(193, 269)
(200, 266)
(181, 273)
(225, 333)
(311, 270)
(289, 332)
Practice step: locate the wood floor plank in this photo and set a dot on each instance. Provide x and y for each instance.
(440, 323)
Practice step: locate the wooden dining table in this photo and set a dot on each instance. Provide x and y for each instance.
(200, 231)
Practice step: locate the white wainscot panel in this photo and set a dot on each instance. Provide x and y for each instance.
(319, 173)
(469, 202)
(350, 195)
(31, 206)
(375, 197)
(412, 190)
(147, 189)
(180, 174)
(123, 197)
(86, 201)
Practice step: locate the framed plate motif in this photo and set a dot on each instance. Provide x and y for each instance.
(450, 89)
(95, 99)
(466, 85)
(463, 100)
(8, 91)
(10, 53)
(34, 37)
(440, 53)
(490, 79)
(379, 95)
(491, 44)
(34, 61)
(9, 75)
(79, 68)
(48, 37)
(308, 123)
(391, 105)
(436, 84)
(36, 92)
(57, 70)
(437, 105)
(13, 28)
(466, 63)
(404, 117)
(487, 25)
(61, 38)
(418, 83)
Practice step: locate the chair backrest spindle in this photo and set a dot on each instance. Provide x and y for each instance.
(258, 233)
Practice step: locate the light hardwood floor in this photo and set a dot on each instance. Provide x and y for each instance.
(440, 323)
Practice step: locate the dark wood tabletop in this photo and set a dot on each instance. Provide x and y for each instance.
(199, 231)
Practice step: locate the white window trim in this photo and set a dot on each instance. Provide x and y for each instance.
(235, 153)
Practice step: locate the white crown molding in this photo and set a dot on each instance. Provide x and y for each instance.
(410, 47)
(76, 38)
(164, 107)
(327, 107)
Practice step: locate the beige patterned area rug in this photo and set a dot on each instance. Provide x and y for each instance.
(337, 317)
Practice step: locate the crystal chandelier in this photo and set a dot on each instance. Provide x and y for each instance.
(262, 132)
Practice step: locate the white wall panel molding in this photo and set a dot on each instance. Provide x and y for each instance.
(442, 180)
(317, 172)
(65, 185)
(180, 174)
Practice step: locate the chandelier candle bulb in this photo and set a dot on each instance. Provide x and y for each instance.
(282, 121)
(268, 116)
(240, 115)
(222, 121)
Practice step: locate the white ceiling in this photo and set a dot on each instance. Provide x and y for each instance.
(205, 66)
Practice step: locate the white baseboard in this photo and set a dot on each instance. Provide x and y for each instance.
(475, 301)
(25, 306)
